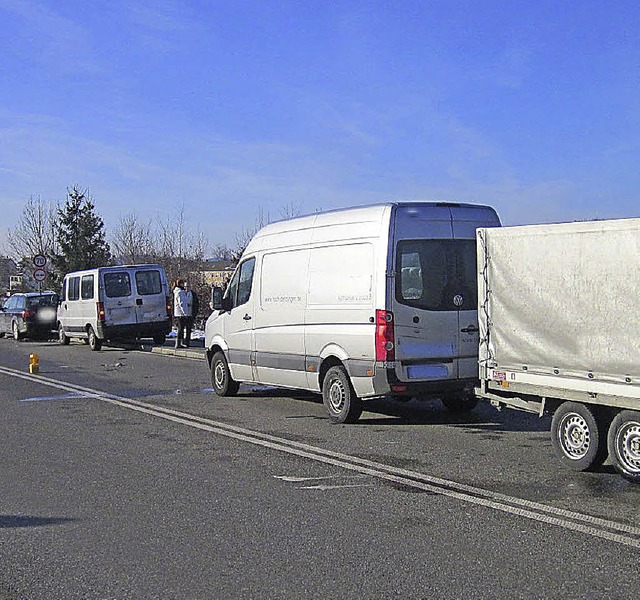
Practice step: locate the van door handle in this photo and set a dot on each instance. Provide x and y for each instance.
(470, 329)
(247, 317)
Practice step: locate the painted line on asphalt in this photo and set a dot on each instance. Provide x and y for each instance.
(602, 528)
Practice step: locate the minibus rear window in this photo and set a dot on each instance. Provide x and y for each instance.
(148, 282)
(436, 275)
(117, 285)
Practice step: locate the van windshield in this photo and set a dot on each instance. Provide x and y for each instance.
(437, 275)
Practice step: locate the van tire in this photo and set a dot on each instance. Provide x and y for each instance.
(460, 403)
(63, 338)
(339, 397)
(95, 343)
(578, 437)
(221, 380)
(624, 444)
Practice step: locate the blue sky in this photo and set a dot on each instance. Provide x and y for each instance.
(236, 107)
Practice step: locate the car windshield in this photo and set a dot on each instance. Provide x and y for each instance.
(45, 300)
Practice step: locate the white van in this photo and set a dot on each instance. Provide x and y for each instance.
(115, 303)
(355, 303)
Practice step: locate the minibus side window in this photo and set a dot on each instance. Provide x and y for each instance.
(86, 287)
(74, 288)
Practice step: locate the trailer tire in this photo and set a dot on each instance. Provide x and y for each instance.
(578, 437)
(623, 442)
(339, 397)
(221, 380)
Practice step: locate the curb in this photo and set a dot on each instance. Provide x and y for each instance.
(193, 353)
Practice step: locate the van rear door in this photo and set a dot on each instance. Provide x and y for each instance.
(151, 298)
(434, 294)
(119, 306)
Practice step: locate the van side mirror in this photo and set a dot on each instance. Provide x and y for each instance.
(216, 298)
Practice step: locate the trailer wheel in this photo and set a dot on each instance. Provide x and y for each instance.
(578, 437)
(339, 397)
(462, 402)
(624, 444)
(223, 383)
(95, 343)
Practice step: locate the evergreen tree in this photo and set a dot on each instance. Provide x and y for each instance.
(80, 235)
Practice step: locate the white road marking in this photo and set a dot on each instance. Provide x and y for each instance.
(613, 531)
(294, 479)
(71, 396)
(334, 487)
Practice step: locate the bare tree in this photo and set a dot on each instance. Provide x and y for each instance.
(131, 241)
(290, 210)
(244, 237)
(35, 232)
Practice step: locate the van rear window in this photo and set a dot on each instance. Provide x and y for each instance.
(117, 285)
(148, 282)
(437, 275)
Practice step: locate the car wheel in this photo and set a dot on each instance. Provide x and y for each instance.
(624, 444)
(63, 338)
(339, 397)
(223, 383)
(578, 437)
(16, 331)
(95, 343)
(1, 334)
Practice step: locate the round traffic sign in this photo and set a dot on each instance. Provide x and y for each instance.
(39, 260)
(39, 274)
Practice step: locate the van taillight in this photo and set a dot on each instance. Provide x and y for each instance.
(26, 314)
(100, 308)
(169, 307)
(385, 339)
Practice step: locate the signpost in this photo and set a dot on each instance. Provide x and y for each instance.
(40, 272)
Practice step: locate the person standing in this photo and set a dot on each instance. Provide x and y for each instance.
(180, 309)
(193, 307)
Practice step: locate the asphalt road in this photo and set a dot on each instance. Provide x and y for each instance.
(124, 476)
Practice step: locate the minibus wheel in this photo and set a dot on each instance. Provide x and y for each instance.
(339, 397)
(63, 338)
(223, 383)
(95, 343)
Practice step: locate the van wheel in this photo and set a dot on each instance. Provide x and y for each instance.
(223, 383)
(94, 342)
(460, 403)
(63, 338)
(339, 397)
(624, 444)
(16, 331)
(578, 437)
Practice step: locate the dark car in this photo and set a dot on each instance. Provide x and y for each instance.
(29, 315)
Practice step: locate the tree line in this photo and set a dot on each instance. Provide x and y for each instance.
(72, 236)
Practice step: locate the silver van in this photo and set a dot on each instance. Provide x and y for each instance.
(355, 304)
(116, 304)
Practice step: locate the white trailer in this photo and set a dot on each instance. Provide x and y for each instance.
(559, 317)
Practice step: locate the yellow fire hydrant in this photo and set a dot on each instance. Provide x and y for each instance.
(34, 363)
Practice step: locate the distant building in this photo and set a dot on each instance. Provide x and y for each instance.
(8, 271)
(218, 272)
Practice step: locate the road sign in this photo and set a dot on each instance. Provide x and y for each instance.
(40, 275)
(39, 260)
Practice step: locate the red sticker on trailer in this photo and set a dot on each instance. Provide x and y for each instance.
(499, 376)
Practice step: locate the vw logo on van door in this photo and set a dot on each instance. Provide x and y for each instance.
(458, 300)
